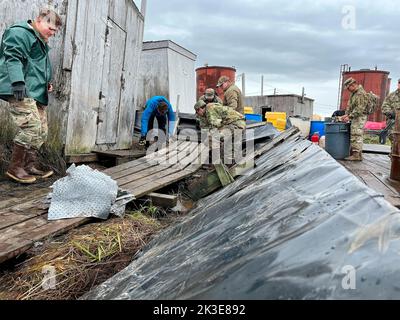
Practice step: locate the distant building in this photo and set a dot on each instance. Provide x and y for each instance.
(167, 69)
(292, 104)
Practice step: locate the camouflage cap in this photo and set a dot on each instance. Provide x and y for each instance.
(199, 104)
(349, 82)
(222, 80)
(210, 93)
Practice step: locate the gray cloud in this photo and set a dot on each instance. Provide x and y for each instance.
(293, 43)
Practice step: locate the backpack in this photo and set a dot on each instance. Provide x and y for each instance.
(372, 103)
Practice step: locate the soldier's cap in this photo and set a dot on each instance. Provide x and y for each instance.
(349, 82)
(222, 80)
(199, 104)
(210, 93)
(398, 81)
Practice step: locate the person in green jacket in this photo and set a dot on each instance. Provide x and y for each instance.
(232, 94)
(25, 81)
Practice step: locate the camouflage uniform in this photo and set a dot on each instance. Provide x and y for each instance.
(216, 100)
(224, 118)
(233, 99)
(31, 119)
(391, 105)
(356, 112)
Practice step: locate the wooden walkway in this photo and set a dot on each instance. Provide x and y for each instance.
(24, 222)
(374, 171)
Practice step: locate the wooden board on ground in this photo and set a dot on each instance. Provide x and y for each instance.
(376, 148)
(374, 171)
(23, 224)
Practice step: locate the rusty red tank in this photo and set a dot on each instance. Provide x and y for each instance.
(207, 77)
(377, 81)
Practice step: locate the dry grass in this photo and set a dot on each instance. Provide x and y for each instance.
(84, 259)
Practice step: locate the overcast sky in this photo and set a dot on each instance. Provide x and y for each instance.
(294, 44)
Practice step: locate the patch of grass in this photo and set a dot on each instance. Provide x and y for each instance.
(85, 258)
(373, 139)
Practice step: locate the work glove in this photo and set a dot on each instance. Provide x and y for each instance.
(18, 89)
(142, 141)
(390, 115)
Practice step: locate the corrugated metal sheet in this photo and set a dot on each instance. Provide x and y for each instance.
(298, 226)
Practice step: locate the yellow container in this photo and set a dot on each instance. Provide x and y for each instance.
(278, 119)
(248, 110)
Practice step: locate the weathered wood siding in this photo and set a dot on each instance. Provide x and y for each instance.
(182, 81)
(87, 62)
(153, 76)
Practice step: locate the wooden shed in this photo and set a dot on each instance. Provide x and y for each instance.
(167, 69)
(95, 60)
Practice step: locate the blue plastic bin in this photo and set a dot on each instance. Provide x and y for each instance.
(317, 126)
(254, 117)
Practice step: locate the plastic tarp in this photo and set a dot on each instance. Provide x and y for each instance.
(300, 226)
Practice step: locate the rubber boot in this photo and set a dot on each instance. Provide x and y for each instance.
(32, 165)
(16, 169)
(355, 156)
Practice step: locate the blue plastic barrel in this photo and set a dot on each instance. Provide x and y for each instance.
(337, 140)
(317, 126)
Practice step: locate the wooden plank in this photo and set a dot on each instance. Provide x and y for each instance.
(13, 247)
(374, 183)
(11, 219)
(147, 169)
(82, 158)
(122, 153)
(148, 159)
(21, 228)
(376, 148)
(163, 200)
(33, 195)
(181, 163)
(223, 174)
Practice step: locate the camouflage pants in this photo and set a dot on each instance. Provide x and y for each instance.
(31, 120)
(231, 146)
(357, 133)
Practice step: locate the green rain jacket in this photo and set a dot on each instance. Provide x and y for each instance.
(24, 58)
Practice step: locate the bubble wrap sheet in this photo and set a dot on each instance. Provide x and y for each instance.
(83, 193)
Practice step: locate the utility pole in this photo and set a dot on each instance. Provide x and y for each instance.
(243, 84)
(303, 94)
(262, 86)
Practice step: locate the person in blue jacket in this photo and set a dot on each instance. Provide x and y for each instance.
(160, 108)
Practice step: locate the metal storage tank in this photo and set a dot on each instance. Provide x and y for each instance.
(377, 81)
(207, 77)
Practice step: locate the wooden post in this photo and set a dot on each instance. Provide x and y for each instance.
(262, 86)
(244, 84)
(175, 131)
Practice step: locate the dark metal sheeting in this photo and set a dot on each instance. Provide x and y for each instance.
(298, 226)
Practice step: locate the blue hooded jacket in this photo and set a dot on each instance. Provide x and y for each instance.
(151, 109)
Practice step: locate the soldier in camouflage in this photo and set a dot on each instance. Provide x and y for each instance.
(227, 122)
(391, 105)
(217, 116)
(356, 113)
(211, 97)
(232, 94)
